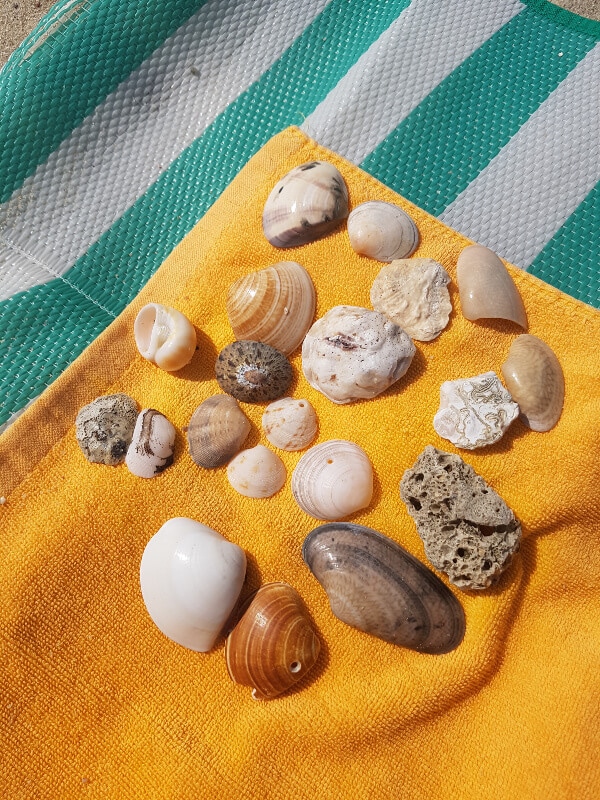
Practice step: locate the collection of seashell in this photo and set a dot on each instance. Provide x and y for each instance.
(191, 576)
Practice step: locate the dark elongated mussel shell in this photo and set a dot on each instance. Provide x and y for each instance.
(375, 585)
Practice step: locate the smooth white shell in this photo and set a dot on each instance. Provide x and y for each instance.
(164, 336)
(257, 472)
(152, 445)
(333, 480)
(474, 412)
(382, 231)
(353, 353)
(191, 577)
(290, 424)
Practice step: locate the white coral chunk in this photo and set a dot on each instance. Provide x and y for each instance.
(474, 412)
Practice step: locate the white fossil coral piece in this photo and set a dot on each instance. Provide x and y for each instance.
(474, 412)
(352, 353)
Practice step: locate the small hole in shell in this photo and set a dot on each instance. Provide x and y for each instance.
(295, 666)
(330, 460)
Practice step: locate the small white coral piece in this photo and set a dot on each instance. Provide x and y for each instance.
(257, 472)
(352, 353)
(474, 412)
(152, 445)
(164, 336)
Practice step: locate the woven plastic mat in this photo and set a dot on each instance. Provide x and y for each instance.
(122, 123)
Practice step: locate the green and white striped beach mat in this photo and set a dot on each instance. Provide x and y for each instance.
(122, 122)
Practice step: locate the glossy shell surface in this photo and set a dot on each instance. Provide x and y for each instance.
(307, 203)
(382, 231)
(275, 305)
(375, 585)
(290, 424)
(486, 288)
(253, 372)
(257, 472)
(274, 644)
(217, 430)
(534, 377)
(333, 480)
(152, 445)
(164, 336)
(191, 577)
(104, 428)
(352, 353)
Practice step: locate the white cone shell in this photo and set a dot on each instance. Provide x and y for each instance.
(152, 444)
(191, 577)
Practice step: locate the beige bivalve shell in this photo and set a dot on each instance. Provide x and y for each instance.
(535, 379)
(275, 305)
(152, 444)
(412, 293)
(164, 336)
(257, 472)
(382, 231)
(290, 424)
(333, 480)
(485, 287)
(217, 430)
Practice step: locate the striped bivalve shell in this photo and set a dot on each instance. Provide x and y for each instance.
(275, 305)
(375, 585)
(217, 430)
(273, 645)
(382, 231)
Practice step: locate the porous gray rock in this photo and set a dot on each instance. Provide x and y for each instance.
(104, 428)
(468, 530)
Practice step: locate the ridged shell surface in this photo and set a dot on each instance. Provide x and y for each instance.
(535, 379)
(257, 472)
(253, 372)
(485, 287)
(376, 586)
(307, 203)
(333, 480)
(191, 577)
(274, 644)
(382, 231)
(275, 305)
(290, 424)
(152, 445)
(217, 430)
(164, 336)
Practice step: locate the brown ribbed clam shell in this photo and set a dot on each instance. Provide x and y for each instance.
(273, 645)
(253, 372)
(217, 430)
(275, 305)
(375, 585)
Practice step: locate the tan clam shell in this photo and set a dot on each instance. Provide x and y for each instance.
(333, 480)
(290, 424)
(535, 379)
(275, 305)
(382, 231)
(485, 287)
(273, 645)
(257, 472)
(217, 430)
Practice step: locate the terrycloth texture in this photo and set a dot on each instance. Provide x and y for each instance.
(96, 701)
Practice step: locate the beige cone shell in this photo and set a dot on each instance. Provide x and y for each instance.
(333, 480)
(535, 379)
(290, 424)
(382, 231)
(257, 472)
(275, 305)
(485, 287)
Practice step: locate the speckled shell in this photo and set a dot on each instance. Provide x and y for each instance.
(307, 203)
(382, 231)
(275, 305)
(191, 577)
(485, 287)
(164, 336)
(534, 378)
(257, 472)
(152, 445)
(274, 644)
(104, 428)
(253, 372)
(217, 430)
(290, 424)
(333, 480)
(376, 586)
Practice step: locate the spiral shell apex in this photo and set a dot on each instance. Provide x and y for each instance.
(273, 645)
